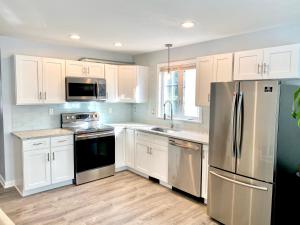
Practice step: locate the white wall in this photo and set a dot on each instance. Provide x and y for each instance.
(272, 37)
(18, 117)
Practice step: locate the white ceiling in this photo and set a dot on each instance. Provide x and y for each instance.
(141, 25)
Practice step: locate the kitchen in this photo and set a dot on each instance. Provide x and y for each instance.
(134, 104)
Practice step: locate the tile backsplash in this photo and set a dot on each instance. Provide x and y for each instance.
(38, 117)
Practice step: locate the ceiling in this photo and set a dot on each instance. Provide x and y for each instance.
(141, 25)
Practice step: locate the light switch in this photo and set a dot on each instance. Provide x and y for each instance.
(51, 111)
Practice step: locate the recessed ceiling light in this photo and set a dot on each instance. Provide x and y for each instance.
(118, 44)
(188, 24)
(74, 36)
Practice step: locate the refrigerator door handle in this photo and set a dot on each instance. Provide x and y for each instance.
(239, 126)
(238, 182)
(233, 123)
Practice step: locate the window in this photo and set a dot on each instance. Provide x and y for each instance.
(178, 87)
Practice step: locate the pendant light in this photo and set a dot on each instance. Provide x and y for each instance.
(168, 46)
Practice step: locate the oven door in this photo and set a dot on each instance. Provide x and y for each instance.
(94, 150)
(81, 89)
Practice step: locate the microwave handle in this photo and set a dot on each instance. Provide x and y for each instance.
(97, 90)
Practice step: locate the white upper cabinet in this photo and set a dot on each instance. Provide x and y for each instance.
(39, 80)
(28, 78)
(204, 78)
(214, 68)
(281, 62)
(94, 70)
(270, 63)
(247, 65)
(132, 83)
(75, 68)
(127, 79)
(53, 80)
(223, 67)
(111, 77)
(84, 69)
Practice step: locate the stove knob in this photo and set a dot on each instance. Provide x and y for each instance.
(72, 117)
(95, 116)
(68, 117)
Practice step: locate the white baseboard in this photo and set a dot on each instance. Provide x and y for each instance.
(6, 184)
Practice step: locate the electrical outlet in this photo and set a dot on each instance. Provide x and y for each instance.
(110, 110)
(51, 111)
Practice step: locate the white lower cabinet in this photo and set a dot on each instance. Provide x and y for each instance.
(37, 168)
(119, 148)
(62, 167)
(43, 163)
(142, 156)
(204, 183)
(151, 155)
(129, 147)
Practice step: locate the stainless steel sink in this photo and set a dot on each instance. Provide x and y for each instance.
(162, 130)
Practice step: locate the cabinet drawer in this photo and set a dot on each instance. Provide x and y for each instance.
(62, 140)
(152, 138)
(40, 143)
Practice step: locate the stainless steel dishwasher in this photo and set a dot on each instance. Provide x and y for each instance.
(184, 167)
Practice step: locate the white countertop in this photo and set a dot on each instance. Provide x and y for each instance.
(42, 133)
(180, 134)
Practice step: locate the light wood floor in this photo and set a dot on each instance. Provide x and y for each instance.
(125, 198)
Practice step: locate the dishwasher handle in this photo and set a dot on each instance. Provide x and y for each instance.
(185, 144)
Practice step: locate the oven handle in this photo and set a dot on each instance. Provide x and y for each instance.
(93, 135)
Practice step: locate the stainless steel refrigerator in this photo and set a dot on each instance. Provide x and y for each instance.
(245, 129)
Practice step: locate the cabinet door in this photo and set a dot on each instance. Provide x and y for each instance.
(119, 147)
(28, 75)
(62, 165)
(223, 66)
(281, 62)
(203, 80)
(111, 77)
(37, 168)
(248, 65)
(75, 68)
(127, 78)
(204, 184)
(95, 70)
(53, 80)
(142, 157)
(159, 162)
(129, 148)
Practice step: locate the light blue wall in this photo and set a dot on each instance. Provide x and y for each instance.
(262, 39)
(37, 117)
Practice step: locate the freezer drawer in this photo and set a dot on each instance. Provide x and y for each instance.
(233, 199)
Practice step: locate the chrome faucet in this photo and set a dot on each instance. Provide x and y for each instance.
(165, 115)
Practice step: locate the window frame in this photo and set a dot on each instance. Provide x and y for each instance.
(159, 111)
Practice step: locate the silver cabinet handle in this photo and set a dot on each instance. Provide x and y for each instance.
(40, 143)
(266, 68)
(238, 182)
(259, 68)
(61, 141)
(53, 155)
(40, 97)
(150, 151)
(48, 155)
(45, 95)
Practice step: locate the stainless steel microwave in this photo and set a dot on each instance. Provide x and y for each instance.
(85, 89)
